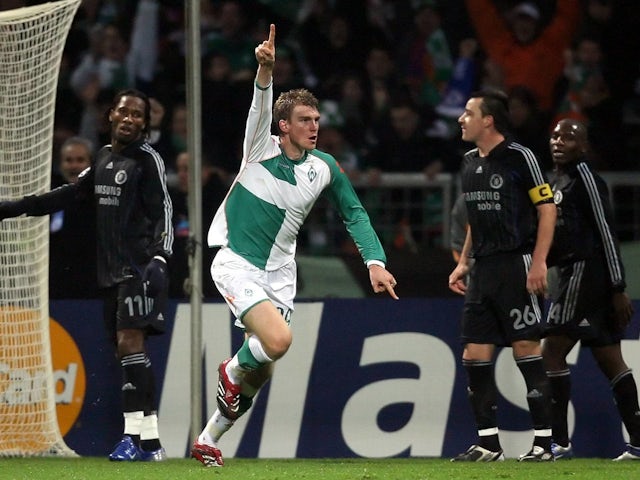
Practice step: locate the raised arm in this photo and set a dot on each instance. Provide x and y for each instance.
(257, 134)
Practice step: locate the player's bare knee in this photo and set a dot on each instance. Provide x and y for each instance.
(526, 348)
(130, 341)
(277, 347)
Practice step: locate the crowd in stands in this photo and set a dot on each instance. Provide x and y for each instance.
(392, 75)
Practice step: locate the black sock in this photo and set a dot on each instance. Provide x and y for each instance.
(538, 397)
(150, 404)
(150, 445)
(560, 383)
(625, 394)
(134, 382)
(482, 394)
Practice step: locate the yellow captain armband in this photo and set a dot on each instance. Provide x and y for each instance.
(540, 192)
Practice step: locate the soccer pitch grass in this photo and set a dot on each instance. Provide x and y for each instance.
(92, 468)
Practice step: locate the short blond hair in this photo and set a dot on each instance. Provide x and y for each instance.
(287, 101)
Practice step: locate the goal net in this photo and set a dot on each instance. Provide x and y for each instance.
(31, 44)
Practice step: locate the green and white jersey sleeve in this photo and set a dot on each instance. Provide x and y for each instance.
(272, 195)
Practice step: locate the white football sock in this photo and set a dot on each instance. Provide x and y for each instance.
(217, 426)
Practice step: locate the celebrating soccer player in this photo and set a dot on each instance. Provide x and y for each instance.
(280, 179)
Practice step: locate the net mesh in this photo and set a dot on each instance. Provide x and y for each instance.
(31, 44)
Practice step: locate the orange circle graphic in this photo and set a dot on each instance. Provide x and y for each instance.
(69, 376)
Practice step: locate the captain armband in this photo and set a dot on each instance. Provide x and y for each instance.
(540, 193)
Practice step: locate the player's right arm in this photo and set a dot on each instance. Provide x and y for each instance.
(38, 205)
(49, 202)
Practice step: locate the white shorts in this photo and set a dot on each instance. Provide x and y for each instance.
(243, 285)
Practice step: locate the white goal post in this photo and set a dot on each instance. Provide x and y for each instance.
(32, 40)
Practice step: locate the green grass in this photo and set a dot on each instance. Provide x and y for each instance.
(90, 468)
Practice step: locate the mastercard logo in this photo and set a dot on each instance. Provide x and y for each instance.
(69, 376)
(25, 379)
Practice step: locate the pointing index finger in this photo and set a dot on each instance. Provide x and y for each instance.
(391, 291)
(272, 35)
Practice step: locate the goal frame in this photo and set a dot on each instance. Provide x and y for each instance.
(32, 41)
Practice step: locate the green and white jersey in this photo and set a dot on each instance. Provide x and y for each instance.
(272, 195)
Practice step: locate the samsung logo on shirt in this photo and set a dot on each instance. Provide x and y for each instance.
(482, 196)
(108, 190)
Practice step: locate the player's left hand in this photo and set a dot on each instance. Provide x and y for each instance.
(622, 311)
(155, 276)
(382, 280)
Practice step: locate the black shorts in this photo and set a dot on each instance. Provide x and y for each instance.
(498, 309)
(581, 304)
(127, 306)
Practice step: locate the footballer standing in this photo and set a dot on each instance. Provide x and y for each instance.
(134, 242)
(511, 220)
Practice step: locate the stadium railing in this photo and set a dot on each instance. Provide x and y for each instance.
(410, 211)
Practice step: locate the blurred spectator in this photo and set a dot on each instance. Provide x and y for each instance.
(381, 83)
(68, 110)
(456, 93)
(529, 126)
(334, 50)
(214, 188)
(333, 141)
(353, 106)
(425, 60)
(178, 127)
(75, 157)
(112, 62)
(94, 124)
(389, 18)
(614, 25)
(231, 38)
(589, 100)
(62, 131)
(72, 271)
(312, 30)
(527, 50)
(160, 139)
(405, 148)
(286, 74)
(117, 62)
(222, 118)
(583, 69)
